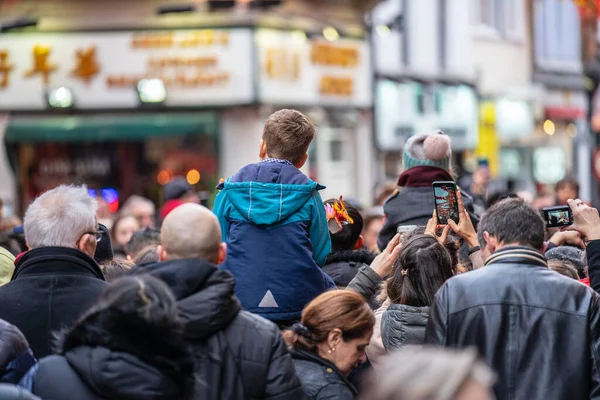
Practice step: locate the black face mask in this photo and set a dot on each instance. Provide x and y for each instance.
(17, 368)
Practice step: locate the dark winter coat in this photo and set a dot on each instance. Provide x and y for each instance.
(321, 379)
(12, 392)
(403, 325)
(49, 290)
(342, 266)
(530, 324)
(238, 355)
(99, 373)
(413, 203)
(273, 220)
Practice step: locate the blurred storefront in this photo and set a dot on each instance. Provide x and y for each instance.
(220, 86)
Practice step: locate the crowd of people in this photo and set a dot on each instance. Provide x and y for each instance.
(277, 294)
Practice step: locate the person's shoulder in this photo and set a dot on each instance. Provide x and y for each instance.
(252, 327)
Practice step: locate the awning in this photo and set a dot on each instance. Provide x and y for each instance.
(109, 128)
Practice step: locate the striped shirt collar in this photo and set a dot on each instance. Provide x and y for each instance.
(517, 254)
(277, 161)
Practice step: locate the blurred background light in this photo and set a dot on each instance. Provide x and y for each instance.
(152, 91)
(60, 98)
(383, 30)
(193, 176)
(299, 36)
(163, 177)
(330, 33)
(549, 127)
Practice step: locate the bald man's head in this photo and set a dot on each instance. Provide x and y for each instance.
(192, 231)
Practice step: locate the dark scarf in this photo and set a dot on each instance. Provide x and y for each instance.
(423, 176)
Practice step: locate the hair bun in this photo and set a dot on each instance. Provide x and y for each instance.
(436, 146)
(300, 329)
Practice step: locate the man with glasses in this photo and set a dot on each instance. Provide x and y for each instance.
(57, 279)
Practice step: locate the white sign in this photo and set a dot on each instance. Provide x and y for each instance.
(403, 109)
(199, 67)
(297, 71)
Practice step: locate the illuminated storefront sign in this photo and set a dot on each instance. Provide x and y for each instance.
(295, 70)
(102, 69)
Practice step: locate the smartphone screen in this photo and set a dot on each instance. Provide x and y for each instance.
(446, 203)
(558, 216)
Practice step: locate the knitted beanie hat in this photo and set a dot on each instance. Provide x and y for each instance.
(427, 149)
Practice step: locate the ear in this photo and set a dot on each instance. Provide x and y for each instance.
(262, 151)
(87, 244)
(490, 241)
(222, 253)
(129, 258)
(359, 242)
(162, 254)
(544, 248)
(301, 163)
(334, 338)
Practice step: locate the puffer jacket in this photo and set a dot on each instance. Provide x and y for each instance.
(321, 379)
(99, 373)
(530, 324)
(342, 266)
(403, 325)
(238, 355)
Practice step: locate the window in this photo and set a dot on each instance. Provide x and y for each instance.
(498, 18)
(557, 38)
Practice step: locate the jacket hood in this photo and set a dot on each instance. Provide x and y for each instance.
(268, 193)
(342, 266)
(205, 294)
(117, 375)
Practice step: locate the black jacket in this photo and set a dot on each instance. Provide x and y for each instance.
(403, 325)
(49, 290)
(99, 373)
(342, 266)
(321, 379)
(539, 330)
(238, 355)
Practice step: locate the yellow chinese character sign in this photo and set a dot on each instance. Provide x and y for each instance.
(5, 68)
(41, 64)
(86, 67)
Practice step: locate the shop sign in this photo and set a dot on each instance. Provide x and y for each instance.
(102, 69)
(514, 119)
(403, 109)
(549, 165)
(297, 71)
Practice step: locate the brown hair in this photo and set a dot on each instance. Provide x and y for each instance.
(563, 267)
(342, 309)
(287, 135)
(422, 267)
(115, 268)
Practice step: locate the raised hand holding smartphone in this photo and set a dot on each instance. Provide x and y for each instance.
(446, 201)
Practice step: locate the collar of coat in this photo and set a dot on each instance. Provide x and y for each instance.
(56, 260)
(517, 255)
(312, 357)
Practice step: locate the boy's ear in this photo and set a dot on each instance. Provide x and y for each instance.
(301, 163)
(262, 152)
(359, 242)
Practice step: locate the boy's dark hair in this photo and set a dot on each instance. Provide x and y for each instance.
(347, 237)
(421, 269)
(568, 181)
(513, 221)
(140, 240)
(287, 135)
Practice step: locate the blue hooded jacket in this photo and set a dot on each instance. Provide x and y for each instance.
(275, 227)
